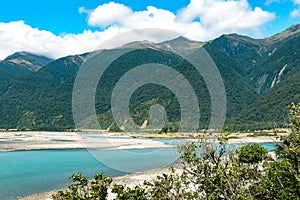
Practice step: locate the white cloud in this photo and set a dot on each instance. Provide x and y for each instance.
(18, 36)
(296, 11)
(108, 14)
(200, 20)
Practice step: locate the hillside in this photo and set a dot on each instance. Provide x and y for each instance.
(263, 62)
(20, 95)
(277, 100)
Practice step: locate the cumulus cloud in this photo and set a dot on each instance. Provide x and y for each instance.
(18, 36)
(200, 20)
(108, 14)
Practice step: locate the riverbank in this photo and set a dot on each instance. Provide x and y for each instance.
(31, 140)
(43, 140)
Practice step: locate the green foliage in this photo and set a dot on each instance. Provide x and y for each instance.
(252, 153)
(289, 149)
(271, 107)
(295, 119)
(216, 173)
(282, 177)
(280, 181)
(82, 189)
(137, 193)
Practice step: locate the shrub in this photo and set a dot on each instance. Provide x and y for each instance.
(252, 153)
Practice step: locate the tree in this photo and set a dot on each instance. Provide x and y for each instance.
(82, 189)
(289, 149)
(252, 153)
(282, 177)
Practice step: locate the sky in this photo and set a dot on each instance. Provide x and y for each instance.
(56, 28)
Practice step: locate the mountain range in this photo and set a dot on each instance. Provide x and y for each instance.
(261, 78)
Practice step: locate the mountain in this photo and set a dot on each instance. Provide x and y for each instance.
(43, 99)
(244, 50)
(278, 65)
(21, 63)
(288, 34)
(31, 61)
(272, 108)
(181, 45)
(20, 96)
(263, 62)
(4, 74)
(261, 77)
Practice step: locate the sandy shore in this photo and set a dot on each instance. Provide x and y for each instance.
(20, 141)
(31, 140)
(259, 139)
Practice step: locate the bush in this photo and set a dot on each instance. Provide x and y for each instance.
(83, 189)
(252, 153)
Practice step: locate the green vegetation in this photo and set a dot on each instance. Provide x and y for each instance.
(212, 171)
(272, 69)
(252, 153)
(82, 189)
(274, 101)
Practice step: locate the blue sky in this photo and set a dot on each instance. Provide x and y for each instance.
(62, 16)
(28, 25)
